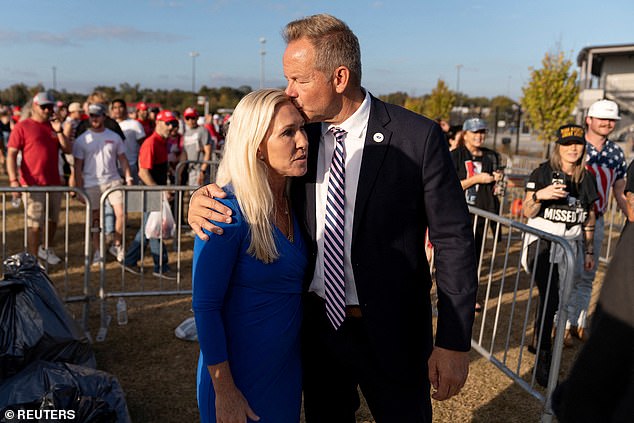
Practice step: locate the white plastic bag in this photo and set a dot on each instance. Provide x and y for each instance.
(161, 225)
(187, 330)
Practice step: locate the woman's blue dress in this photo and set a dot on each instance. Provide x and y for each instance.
(250, 313)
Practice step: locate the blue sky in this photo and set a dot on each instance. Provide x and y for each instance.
(406, 44)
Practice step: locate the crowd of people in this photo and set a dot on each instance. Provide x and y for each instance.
(311, 246)
(96, 146)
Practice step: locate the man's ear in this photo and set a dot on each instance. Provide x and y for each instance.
(341, 78)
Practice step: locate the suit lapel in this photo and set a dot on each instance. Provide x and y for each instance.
(377, 142)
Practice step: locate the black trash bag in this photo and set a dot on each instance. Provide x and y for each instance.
(34, 324)
(93, 396)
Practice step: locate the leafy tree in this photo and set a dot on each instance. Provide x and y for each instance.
(399, 98)
(550, 96)
(17, 94)
(439, 103)
(502, 103)
(415, 104)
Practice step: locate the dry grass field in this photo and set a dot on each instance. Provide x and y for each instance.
(157, 370)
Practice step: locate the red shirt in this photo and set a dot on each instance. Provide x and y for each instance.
(39, 145)
(153, 154)
(148, 125)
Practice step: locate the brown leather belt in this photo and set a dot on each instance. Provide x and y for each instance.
(353, 311)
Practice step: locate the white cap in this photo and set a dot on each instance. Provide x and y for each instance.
(604, 109)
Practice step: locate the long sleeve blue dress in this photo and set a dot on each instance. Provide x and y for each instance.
(249, 313)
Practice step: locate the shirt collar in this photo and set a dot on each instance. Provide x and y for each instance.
(357, 123)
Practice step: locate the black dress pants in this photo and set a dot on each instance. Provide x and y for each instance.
(548, 296)
(336, 363)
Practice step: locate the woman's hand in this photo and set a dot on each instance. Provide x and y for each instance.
(232, 407)
(552, 192)
(203, 208)
(485, 178)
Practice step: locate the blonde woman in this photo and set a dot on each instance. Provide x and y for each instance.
(248, 309)
(560, 195)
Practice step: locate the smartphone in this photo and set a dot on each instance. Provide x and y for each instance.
(558, 177)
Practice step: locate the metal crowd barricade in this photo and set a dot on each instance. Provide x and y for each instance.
(115, 281)
(209, 177)
(510, 302)
(73, 283)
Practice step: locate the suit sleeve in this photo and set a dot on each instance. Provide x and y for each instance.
(212, 270)
(451, 234)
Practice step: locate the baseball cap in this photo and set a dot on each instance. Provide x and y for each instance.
(141, 106)
(96, 109)
(166, 116)
(190, 112)
(604, 109)
(74, 107)
(43, 99)
(474, 125)
(570, 134)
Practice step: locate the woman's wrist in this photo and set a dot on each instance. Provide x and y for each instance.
(536, 199)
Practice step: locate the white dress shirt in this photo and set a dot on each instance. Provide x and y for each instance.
(356, 127)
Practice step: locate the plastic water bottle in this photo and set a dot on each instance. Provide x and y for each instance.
(122, 312)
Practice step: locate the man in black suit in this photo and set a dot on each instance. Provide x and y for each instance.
(399, 175)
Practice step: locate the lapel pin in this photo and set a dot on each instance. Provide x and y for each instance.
(378, 137)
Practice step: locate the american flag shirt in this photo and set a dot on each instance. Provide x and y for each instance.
(607, 166)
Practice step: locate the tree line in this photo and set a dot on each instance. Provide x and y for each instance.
(548, 98)
(223, 97)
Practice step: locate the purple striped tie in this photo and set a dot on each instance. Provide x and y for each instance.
(334, 279)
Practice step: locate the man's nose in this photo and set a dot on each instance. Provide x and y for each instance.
(290, 89)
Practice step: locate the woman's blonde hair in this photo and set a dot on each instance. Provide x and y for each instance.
(240, 166)
(579, 167)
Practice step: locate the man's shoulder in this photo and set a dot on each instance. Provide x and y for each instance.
(130, 124)
(110, 134)
(615, 149)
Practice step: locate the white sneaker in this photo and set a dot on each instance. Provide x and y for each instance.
(117, 251)
(48, 255)
(96, 259)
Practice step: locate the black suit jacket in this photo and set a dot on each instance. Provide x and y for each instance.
(407, 183)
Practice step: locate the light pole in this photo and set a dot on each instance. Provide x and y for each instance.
(194, 55)
(262, 54)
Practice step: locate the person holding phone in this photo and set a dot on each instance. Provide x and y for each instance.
(560, 195)
(478, 169)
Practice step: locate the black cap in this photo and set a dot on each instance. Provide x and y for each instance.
(570, 134)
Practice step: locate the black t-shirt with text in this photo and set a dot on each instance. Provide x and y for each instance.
(467, 165)
(572, 210)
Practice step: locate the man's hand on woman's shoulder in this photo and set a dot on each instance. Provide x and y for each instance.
(203, 209)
